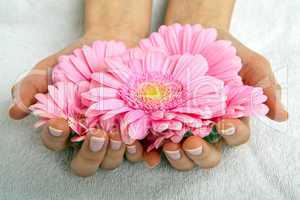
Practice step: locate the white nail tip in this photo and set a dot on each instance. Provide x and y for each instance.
(11, 105)
(55, 132)
(174, 155)
(228, 131)
(195, 152)
(115, 144)
(96, 144)
(131, 149)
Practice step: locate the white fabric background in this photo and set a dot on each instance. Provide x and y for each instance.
(265, 168)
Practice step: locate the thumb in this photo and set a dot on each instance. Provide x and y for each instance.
(277, 111)
(35, 82)
(24, 91)
(152, 158)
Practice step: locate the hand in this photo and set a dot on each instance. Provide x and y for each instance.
(99, 148)
(256, 71)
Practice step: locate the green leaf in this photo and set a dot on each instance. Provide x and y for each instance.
(75, 144)
(188, 134)
(213, 137)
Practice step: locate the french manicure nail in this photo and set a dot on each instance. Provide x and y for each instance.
(55, 132)
(131, 149)
(10, 106)
(96, 143)
(174, 155)
(195, 152)
(115, 144)
(228, 131)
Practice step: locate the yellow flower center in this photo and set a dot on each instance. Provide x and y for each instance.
(154, 91)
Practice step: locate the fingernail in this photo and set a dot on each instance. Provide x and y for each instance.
(55, 132)
(195, 152)
(11, 105)
(96, 143)
(174, 155)
(131, 149)
(115, 144)
(230, 130)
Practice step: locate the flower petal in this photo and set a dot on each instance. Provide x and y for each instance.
(100, 93)
(160, 126)
(132, 116)
(113, 113)
(107, 104)
(190, 67)
(175, 125)
(107, 80)
(139, 129)
(154, 61)
(202, 39)
(80, 63)
(186, 39)
(114, 48)
(118, 69)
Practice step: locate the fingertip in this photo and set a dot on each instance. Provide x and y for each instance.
(23, 97)
(193, 146)
(279, 115)
(203, 154)
(55, 135)
(227, 127)
(91, 154)
(277, 111)
(134, 152)
(16, 113)
(176, 157)
(192, 142)
(234, 131)
(98, 133)
(59, 124)
(152, 158)
(171, 146)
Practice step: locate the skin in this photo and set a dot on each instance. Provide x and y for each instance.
(256, 71)
(102, 21)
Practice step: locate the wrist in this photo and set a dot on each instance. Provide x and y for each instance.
(208, 13)
(130, 39)
(127, 20)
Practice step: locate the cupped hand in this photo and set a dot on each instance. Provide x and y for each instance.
(100, 148)
(256, 71)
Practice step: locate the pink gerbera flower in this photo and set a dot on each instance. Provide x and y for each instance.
(62, 101)
(223, 63)
(245, 101)
(79, 66)
(180, 79)
(156, 93)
